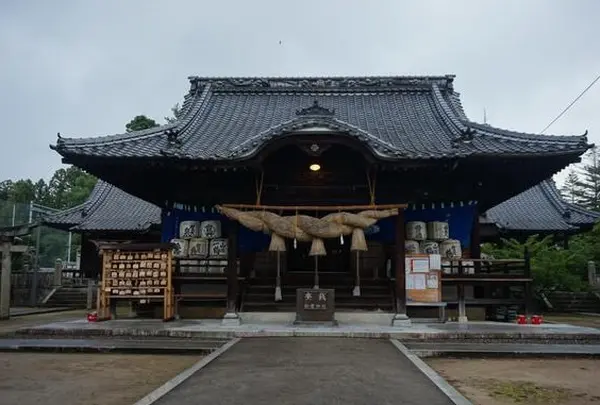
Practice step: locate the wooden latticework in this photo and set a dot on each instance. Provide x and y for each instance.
(136, 272)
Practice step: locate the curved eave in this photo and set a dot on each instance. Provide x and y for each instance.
(466, 138)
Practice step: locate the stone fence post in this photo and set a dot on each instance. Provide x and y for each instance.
(58, 268)
(592, 278)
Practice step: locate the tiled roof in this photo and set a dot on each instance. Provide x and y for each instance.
(108, 209)
(397, 117)
(541, 208)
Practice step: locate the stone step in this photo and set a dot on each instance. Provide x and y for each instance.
(152, 345)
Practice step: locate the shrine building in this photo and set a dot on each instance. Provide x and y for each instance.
(372, 187)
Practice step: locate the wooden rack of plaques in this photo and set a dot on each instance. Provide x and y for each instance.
(140, 272)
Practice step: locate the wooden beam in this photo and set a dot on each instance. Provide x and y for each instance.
(19, 249)
(232, 276)
(329, 208)
(8, 233)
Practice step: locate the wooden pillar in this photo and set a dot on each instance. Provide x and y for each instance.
(528, 284)
(5, 280)
(475, 249)
(231, 317)
(400, 318)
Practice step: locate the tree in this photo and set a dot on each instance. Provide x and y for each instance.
(589, 180)
(176, 111)
(571, 190)
(552, 267)
(70, 187)
(139, 123)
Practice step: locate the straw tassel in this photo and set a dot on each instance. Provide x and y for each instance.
(277, 245)
(316, 286)
(356, 290)
(278, 296)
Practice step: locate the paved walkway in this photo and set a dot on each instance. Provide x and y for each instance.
(473, 331)
(312, 371)
(114, 345)
(23, 311)
(508, 349)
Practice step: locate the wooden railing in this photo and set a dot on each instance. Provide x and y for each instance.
(485, 269)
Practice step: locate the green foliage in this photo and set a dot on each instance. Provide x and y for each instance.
(67, 188)
(70, 187)
(139, 123)
(176, 111)
(582, 185)
(552, 267)
(572, 191)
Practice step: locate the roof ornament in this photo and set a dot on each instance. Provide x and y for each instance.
(316, 109)
(172, 136)
(466, 136)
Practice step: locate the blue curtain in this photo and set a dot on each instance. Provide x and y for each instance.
(459, 218)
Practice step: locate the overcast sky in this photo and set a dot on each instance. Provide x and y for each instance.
(85, 68)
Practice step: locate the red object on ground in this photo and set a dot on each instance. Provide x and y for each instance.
(92, 317)
(536, 320)
(521, 320)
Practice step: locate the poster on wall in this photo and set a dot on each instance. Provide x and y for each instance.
(423, 278)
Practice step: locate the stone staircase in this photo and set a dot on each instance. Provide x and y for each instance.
(574, 301)
(259, 293)
(71, 297)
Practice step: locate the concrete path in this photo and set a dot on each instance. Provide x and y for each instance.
(312, 371)
(23, 311)
(114, 345)
(424, 349)
(10, 326)
(473, 331)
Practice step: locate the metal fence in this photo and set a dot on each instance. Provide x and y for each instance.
(46, 244)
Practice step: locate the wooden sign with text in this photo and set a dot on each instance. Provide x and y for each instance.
(315, 305)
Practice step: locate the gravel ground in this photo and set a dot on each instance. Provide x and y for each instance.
(84, 379)
(523, 381)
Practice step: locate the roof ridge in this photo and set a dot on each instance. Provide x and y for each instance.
(582, 210)
(112, 139)
(448, 115)
(549, 189)
(99, 193)
(320, 82)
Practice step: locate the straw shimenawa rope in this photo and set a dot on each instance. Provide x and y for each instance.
(305, 228)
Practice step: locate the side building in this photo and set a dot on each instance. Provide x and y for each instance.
(108, 215)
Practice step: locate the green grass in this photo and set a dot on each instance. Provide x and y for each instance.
(523, 392)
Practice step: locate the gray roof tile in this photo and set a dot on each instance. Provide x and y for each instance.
(541, 208)
(398, 117)
(108, 209)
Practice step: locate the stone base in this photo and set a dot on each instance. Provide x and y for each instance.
(316, 323)
(463, 319)
(231, 319)
(401, 320)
